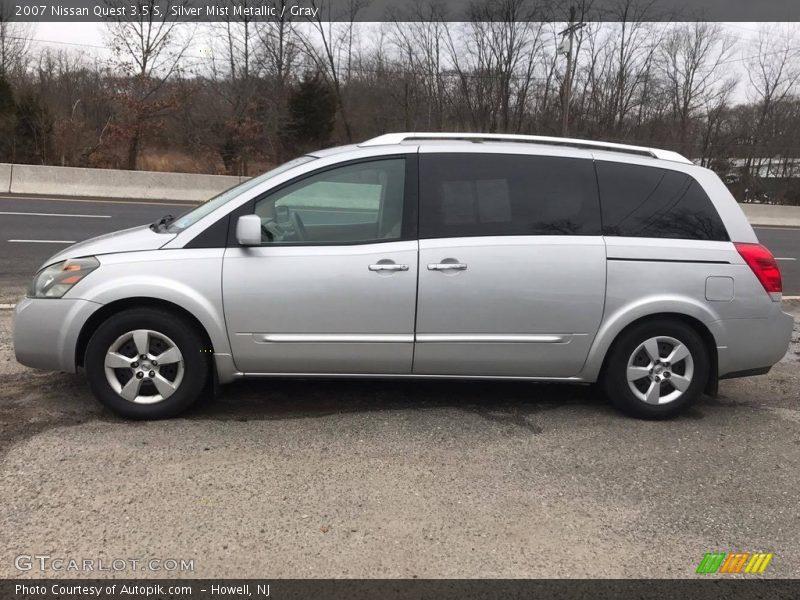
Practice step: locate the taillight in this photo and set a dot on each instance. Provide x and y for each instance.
(764, 266)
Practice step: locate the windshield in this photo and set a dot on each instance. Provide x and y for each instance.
(209, 206)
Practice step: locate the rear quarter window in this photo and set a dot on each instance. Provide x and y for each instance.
(640, 201)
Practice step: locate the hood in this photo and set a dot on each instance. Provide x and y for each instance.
(127, 240)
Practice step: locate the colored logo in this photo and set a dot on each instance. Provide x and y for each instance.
(734, 562)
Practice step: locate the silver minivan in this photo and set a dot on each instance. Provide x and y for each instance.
(424, 255)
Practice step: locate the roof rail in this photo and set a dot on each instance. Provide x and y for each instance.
(398, 138)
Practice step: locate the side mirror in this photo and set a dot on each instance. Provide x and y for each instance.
(248, 230)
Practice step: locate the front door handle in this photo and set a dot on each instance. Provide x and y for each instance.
(388, 267)
(447, 267)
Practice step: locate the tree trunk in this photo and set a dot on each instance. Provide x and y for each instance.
(133, 149)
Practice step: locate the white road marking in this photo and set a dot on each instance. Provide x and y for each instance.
(33, 214)
(43, 241)
(785, 259)
(776, 227)
(187, 204)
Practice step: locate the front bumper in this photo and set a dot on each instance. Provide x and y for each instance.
(46, 331)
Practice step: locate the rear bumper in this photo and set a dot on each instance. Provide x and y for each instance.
(46, 331)
(751, 344)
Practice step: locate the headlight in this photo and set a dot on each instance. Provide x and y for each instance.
(56, 280)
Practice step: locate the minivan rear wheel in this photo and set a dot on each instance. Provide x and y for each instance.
(146, 363)
(656, 369)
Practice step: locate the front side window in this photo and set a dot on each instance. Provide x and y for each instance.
(209, 206)
(640, 201)
(354, 203)
(470, 194)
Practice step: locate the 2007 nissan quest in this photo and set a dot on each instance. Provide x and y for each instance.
(424, 255)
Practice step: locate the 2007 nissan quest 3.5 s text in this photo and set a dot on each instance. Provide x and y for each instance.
(424, 255)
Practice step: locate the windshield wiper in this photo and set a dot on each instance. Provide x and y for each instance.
(161, 225)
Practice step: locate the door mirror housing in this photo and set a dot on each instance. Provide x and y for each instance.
(248, 230)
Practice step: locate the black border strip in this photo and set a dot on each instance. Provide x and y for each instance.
(404, 10)
(706, 587)
(669, 260)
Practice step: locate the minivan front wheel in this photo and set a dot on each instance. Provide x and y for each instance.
(656, 369)
(146, 363)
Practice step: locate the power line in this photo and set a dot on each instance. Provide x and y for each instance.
(41, 41)
(83, 45)
(755, 56)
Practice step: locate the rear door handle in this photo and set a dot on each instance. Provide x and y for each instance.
(447, 267)
(388, 267)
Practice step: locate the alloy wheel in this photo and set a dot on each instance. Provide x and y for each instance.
(144, 366)
(660, 370)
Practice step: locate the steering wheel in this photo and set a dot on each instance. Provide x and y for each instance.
(272, 230)
(299, 227)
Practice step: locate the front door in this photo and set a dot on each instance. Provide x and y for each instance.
(512, 264)
(332, 288)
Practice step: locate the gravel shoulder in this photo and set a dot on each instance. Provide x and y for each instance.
(288, 478)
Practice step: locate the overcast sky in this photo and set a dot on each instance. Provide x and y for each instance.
(89, 37)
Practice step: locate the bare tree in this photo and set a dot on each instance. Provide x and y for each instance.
(773, 71)
(330, 47)
(417, 36)
(282, 52)
(237, 65)
(15, 43)
(634, 42)
(631, 78)
(691, 59)
(281, 46)
(548, 89)
(714, 140)
(147, 53)
(621, 55)
(495, 77)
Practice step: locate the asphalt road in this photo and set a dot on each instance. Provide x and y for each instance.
(332, 479)
(288, 478)
(50, 224)
(784, 242)
(63, 221)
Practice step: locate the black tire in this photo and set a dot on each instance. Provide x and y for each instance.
(187, 339)
(616, 382)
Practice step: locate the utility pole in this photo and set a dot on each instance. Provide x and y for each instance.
(567, 90)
